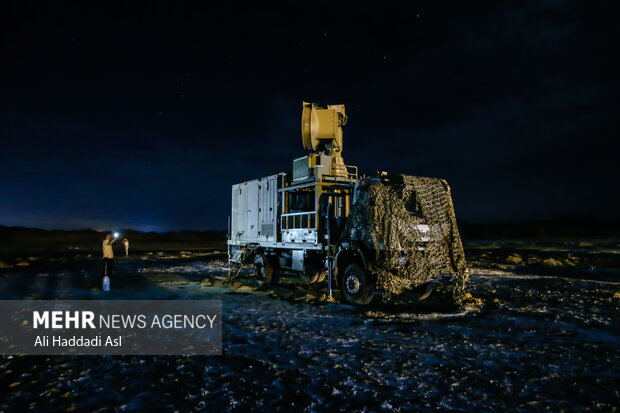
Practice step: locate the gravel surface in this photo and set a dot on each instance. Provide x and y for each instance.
(528, 340)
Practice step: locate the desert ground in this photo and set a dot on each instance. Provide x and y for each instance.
(540, 331)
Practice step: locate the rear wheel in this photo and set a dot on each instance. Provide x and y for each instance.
(357, 285)
(263, 270)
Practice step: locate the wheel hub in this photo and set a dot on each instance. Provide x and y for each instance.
(352, 284)
(259, 270)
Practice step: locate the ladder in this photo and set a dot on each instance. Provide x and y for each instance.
(239, 257)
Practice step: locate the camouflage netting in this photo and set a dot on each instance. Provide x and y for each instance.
(386, 219)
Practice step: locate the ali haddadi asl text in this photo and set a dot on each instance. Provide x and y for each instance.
(81, 341)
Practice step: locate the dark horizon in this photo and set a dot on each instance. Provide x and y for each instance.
(143, 117)
(568, 228)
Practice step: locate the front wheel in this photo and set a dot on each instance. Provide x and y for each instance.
(357, 285)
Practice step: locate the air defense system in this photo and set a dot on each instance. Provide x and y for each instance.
(369, 237)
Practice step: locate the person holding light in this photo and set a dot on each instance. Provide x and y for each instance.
(108, 254)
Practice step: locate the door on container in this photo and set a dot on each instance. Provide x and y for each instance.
(268, 207)
(239, 216)
(252, 226)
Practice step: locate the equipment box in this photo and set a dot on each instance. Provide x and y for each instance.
(255, 209)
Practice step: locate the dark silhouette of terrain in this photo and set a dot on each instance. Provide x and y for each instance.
(32, 240)
(22, 240)
(563, 228)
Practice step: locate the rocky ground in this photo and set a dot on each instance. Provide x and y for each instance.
(540, 332)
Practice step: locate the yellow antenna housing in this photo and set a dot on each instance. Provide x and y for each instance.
(321, 132)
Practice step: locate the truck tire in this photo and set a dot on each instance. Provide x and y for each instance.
(312, 274)
(263, 270)
(357, 285)
(308, 278)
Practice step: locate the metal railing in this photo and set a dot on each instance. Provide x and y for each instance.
(347, 171)
(351, 171)
(298, 220)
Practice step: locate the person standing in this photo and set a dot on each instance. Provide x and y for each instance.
(126, 244)
(108, 254)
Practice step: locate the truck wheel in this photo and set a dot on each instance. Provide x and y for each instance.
(309, 278)
(311, 274)
(263, 270)
(357, 286)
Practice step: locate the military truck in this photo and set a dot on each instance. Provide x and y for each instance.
(370, 237)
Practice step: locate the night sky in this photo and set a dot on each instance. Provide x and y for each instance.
(144, 116)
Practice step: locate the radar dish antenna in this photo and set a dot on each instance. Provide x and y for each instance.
(321, 128)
